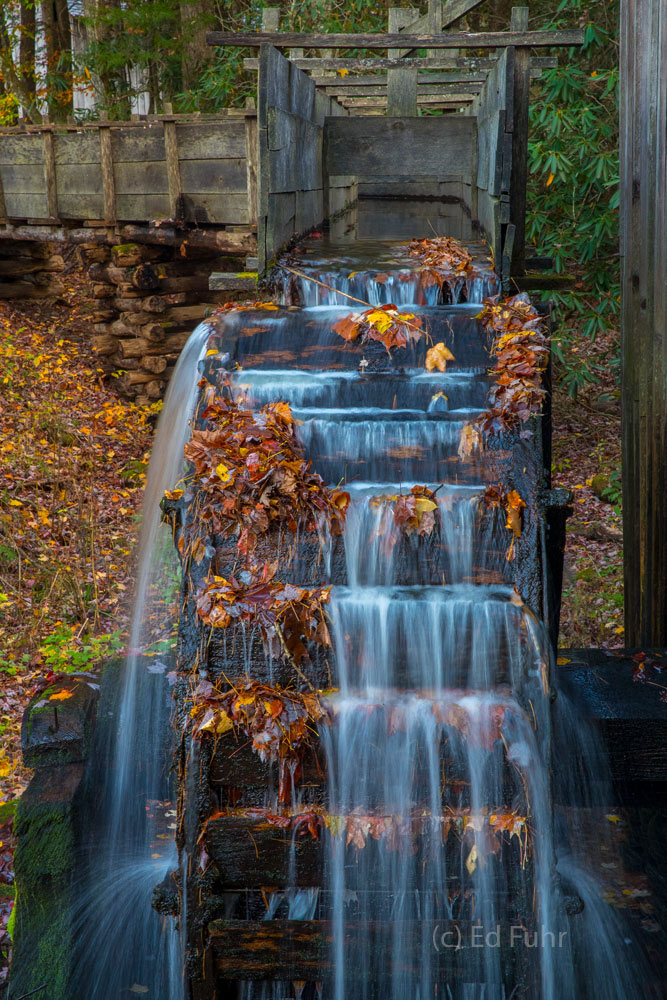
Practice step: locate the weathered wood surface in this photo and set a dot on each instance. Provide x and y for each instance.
(192, 170)
(628, 715)
(643, 160)
(413, 147)
(302, 949)
(314, 64)
(463, 40)
(290, 182)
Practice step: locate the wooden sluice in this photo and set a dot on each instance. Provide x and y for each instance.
(235, 191)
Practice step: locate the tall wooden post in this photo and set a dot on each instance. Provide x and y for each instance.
(519, 179)
(643, 151)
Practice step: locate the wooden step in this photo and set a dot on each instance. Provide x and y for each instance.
(302, 949)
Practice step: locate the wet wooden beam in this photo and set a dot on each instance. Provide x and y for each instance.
(628, 715)
(456, 40)
(643, 214)
(302, 949)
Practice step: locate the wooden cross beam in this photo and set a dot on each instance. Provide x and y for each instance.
(313, 64)
(567, 37)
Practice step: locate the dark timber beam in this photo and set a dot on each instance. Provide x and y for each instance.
(454, 40)
(643, 163)
(444, 62)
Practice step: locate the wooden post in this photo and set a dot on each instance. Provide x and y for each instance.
(50, 174)
(3, 205)
(108, 181)
(271, 19)
(252, 154)
(173, 168)
(402, 81)
(643, 161)
(519, 22)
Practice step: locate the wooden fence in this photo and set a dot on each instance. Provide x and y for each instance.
(184, 169)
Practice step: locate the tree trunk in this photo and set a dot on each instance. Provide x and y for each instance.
(197, 17)
(27, 53)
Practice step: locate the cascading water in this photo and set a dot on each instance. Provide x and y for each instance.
(129, 846)
(441, 875)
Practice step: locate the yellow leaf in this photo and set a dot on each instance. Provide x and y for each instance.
(61, 695)
(173, 494)
(219, 723)
(223, 473)
(343, 72)
(471, 860)
(380, 320)
(550, 179)
(211, 352)
(5, 768)
(423, 505)
(437, 357)
(562, 660)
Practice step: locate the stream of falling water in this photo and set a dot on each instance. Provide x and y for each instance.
(125, 946)
(438, 752)
(444, 882)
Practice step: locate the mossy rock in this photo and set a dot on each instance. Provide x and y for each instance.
(58, 724)
(599, 484)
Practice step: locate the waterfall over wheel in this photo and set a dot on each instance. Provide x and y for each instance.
(364, 684)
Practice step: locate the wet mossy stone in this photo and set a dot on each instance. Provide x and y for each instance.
(58, 724)
(45, 870)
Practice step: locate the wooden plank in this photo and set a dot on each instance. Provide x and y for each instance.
(213, 176)
(252, 166)
(380, 79)
(50, 175)
(419, 146)
(450, 12)
(23, 178)
(76, 147)
(374, 63)
(137, 145)
(218, 141)
(566, 37)
(426, 100)
(141, 177)
(303, 950)
(24, 149)
(173, 168)
(643, 152)
(3, 206)
(521, 103)
(108, 182)
(444, 92)
(402, 92)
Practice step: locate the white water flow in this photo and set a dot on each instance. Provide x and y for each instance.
(440, 876)
(125, 946)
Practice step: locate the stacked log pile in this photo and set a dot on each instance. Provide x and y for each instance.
(29, 270)
(149, 300)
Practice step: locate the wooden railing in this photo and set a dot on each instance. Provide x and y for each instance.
(192, 169)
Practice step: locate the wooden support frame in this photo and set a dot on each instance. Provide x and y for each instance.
(50, 175)
(643, 161)
(108, 180)
(565, 37)
(173, 168)
(314, 64)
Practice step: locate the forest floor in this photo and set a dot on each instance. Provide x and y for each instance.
(74, 455)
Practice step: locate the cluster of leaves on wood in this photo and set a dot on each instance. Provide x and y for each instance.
(643, 662)
(288, 616)
(383, 323)
(444, 262)
(280, 723)
(521, 350)
(410, 513)
(251, 474)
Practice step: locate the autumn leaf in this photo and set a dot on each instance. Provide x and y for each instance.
(437, 357)
(470, 441)
(61, 695)
(515, 507)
